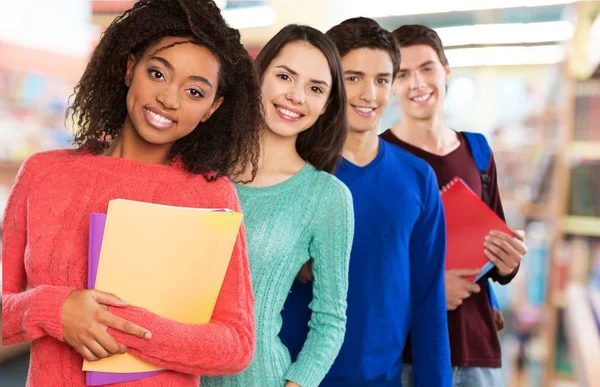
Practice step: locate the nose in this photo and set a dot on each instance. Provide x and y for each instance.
(367, 92)
(296, 94)
(169, 97)
(416, 80)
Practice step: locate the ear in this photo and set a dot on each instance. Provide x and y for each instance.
(447, 72)
(130, 68)
(212, 109)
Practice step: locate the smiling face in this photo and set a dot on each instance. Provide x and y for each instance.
(368, 79)
(171, 90)
(295, 89)
(421, 82)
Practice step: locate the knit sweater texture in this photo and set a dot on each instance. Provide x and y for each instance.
(44, 258)
(308, 215)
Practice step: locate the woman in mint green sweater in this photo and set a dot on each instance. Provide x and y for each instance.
(295, 209)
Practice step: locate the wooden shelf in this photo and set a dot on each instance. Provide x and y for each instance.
(582, 225)
(536, 211)
(589, 150)
(583, 334)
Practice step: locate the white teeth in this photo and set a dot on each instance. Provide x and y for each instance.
(159, 118)
(364, 109)
(421, 98)
(288, 113)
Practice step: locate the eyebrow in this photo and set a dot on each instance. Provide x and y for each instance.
(192, 77)
(360, 73)
(429, 62)
(294, 73)
(353, 72)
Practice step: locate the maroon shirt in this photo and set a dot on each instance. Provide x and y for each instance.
(473, 337)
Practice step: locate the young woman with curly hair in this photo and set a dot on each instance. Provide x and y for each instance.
(295, 209)
(167, 109)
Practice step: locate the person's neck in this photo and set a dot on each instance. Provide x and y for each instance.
(430, 135)
(130, 145)
(361, 148)
(278, 160)
(279, 153)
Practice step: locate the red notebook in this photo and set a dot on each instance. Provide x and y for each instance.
(468, 221)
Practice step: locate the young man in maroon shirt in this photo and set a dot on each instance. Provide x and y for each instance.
(420, 87)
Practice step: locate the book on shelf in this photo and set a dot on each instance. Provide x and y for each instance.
(587, 111)
(584, 196)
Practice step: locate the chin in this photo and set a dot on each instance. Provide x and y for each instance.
(284, 130)
(363, 125)
(423, 117)
(362, 128)
(153, 138)
(420, 114)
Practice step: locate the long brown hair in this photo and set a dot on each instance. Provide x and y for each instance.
(321, 144)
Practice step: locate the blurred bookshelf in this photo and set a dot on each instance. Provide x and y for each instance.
(553, 192)
(35, 86)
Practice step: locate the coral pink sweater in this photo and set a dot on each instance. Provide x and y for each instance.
(44, 258)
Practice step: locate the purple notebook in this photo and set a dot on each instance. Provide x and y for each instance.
(94, 378)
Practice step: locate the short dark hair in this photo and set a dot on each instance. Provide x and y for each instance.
(362, 32)
(321, 145)
(417, 34)
(229, 140)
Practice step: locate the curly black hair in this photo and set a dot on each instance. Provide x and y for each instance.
(227, 144)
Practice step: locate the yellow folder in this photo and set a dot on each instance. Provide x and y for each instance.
(169, 260)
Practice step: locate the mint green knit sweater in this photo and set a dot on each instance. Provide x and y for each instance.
(308, 215)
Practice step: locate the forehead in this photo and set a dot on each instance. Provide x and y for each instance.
(368, 60)
(185, 56)
(414, 56)
(305, 59)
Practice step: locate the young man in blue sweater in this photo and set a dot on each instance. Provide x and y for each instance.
(396, 281)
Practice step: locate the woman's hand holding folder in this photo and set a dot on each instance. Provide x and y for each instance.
(85, 319)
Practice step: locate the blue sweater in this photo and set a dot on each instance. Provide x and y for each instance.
(396, 281)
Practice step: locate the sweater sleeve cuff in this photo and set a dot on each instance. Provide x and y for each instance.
(47, 313)
(305, 373)
(503, 280)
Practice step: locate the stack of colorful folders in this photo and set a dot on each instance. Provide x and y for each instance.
(169, 260)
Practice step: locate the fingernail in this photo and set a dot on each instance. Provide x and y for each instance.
(125, 302)
(147, 335)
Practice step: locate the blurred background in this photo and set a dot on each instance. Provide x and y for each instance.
(523, 73)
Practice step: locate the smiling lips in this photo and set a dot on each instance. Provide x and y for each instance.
(159, 120)
(364, 111)
(421, 98)
(288, 114)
